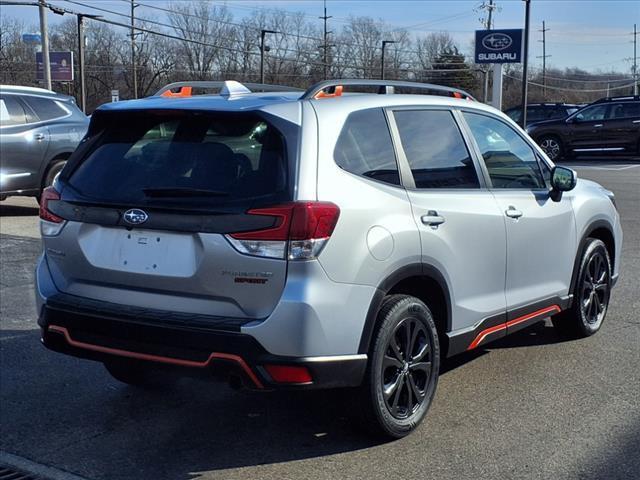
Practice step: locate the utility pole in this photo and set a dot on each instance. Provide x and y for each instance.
(384, 44)
(544, 59)
(325, 46)
(635, 60)
(44, 33)
(490, 7)
(262, 50)
(525, 63)
(133, 51)
(83, 93)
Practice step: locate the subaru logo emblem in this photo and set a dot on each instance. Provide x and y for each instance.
(497, 41)
(135, 216)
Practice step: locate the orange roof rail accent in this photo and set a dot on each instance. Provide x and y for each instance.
(181, 93)
(337, 92)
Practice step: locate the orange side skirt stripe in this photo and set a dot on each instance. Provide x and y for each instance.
(483, 334)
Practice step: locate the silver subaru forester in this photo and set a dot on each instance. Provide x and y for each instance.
(352, 235)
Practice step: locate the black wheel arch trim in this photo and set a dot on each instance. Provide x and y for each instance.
(596, 225)
(403, 273)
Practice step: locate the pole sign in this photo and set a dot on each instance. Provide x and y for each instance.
(61, 66)
(31, 38)
(115, 95)
(498, 46)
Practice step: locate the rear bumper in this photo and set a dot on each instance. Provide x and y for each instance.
(98, 334)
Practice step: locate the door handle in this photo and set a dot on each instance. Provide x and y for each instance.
(598, 125)
(513, 212)
(432, 219)
(39, 136)
(636, 121)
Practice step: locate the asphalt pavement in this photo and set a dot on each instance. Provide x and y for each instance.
(528, 406)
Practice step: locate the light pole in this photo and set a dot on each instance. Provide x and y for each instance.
(44, 34)
(81, 46)
(384, 44)
(525, 63)
(262, 50)
(134, 74)
(83, 94)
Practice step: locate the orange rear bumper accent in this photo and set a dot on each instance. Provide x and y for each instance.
(157, 358)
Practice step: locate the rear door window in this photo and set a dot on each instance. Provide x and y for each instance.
(183, 159)
(435, 149)
(625, 110)
(45, 108)
(364, 147)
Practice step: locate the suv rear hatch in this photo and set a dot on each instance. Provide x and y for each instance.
(150, 201)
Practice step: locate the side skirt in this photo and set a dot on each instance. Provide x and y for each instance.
(498, 326)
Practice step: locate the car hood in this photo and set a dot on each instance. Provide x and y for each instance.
(547, 123)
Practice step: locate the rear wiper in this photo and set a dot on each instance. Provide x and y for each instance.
(182, 192)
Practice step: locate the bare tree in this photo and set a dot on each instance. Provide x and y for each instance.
(208, 33)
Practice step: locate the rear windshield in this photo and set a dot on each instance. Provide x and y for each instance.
(183, 159)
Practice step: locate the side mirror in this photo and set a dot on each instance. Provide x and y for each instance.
(563, 179)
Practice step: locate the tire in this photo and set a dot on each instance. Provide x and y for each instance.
(590, 296)
(52, 170)
(552, 146)
(130, 372)
(400, 382)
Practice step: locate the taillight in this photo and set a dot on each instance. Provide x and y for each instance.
(50, 224)
(301, 231)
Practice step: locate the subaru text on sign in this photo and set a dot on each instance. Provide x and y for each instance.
(498, 46)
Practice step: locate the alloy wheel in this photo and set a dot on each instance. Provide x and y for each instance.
(594, 296)
(551, 147)
(406, 368)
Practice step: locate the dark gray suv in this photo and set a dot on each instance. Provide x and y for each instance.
(39, 129)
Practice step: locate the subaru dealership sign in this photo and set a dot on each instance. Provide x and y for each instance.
(498, 46)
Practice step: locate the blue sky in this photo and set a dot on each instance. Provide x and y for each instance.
(595, 35)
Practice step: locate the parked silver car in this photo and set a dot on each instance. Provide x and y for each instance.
(316, 239)
(39, 129)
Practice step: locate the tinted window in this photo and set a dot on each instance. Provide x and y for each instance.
(536, 114)
(11, 112)
(364, 147)
(591, 114)
(435, 149)
(625, 110)
(514, 114)
(45, 109)
(180, 159)
(510, 161)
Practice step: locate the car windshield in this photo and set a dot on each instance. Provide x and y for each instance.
(183, 158)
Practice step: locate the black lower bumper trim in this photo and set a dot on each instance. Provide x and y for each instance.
(101, 337)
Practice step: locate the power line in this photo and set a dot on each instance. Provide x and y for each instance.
(581, 90)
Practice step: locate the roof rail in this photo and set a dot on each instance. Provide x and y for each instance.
(618, 99)
(385, 87)
(227, 88)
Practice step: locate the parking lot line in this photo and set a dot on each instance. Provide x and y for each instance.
(613, 168)
(44, 471)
